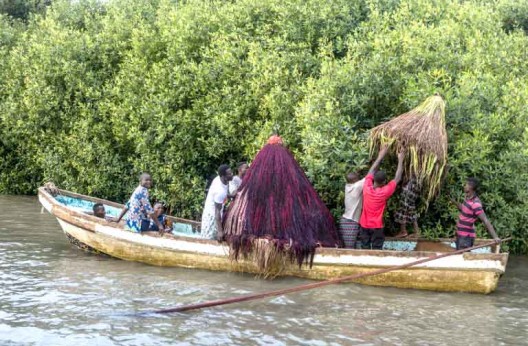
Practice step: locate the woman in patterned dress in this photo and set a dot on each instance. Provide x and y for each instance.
(407, 213)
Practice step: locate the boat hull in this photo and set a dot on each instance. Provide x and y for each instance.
(469, 272)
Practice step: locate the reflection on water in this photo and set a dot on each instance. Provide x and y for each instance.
(53, 294)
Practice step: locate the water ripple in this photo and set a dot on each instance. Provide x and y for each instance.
(53, 294)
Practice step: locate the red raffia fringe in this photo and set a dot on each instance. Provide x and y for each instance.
(277, 211)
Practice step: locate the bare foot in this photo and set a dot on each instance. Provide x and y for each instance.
(401, 235)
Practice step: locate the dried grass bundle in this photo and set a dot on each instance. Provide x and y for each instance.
(421, 133)
(268, 255)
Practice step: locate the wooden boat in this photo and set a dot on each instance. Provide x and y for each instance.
(476, 272)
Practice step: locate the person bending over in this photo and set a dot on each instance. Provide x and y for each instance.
(214, 204)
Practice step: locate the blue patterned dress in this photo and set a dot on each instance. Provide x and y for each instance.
(162, 219)
(138, 209)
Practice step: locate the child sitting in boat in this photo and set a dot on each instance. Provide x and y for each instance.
(99, 210)
(159, 213)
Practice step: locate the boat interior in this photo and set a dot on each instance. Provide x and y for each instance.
(191, 229)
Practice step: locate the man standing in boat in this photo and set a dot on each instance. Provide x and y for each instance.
(375, 196)
(349, 223)
(470, 210)
(139, 208)
(214, 204)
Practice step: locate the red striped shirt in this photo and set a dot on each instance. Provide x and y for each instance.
(471, 209)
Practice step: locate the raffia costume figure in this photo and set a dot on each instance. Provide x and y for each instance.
(277, 214)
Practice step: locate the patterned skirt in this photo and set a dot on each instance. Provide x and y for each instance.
(208, 229)
(348, 230)
(406, 214)
(407, 211)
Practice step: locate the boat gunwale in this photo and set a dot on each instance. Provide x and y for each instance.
(112, 204)
(62, 212)
(317, 264)
(68, 211)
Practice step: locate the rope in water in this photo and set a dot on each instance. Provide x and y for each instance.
(309, 286)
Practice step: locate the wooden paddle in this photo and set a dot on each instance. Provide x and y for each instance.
(309, 286)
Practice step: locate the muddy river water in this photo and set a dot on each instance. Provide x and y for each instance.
(54, 294)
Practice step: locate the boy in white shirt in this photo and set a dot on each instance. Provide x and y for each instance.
(349, 223)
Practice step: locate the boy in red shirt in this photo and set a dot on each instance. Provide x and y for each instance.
(375, 196)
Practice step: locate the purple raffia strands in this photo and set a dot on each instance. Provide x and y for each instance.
(278, 210)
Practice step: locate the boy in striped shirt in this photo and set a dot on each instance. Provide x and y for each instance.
(470, 211)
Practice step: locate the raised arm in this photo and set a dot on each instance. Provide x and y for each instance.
(488, 225)
(377, 163)
(399, 170)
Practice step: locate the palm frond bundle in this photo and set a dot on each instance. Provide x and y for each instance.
(421, 134)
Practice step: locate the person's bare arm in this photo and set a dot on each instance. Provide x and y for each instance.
(383, 151)
(123, 212)
(488, 225)
(458, 205)
(399, 170)
(153, 217)
(232, 190)
(218, 222)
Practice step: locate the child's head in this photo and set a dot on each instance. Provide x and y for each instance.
(242, 168)
(472, 185)
(352, 177)
(99, 210)
(145, 180)
(380, 178)
(159, 208)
